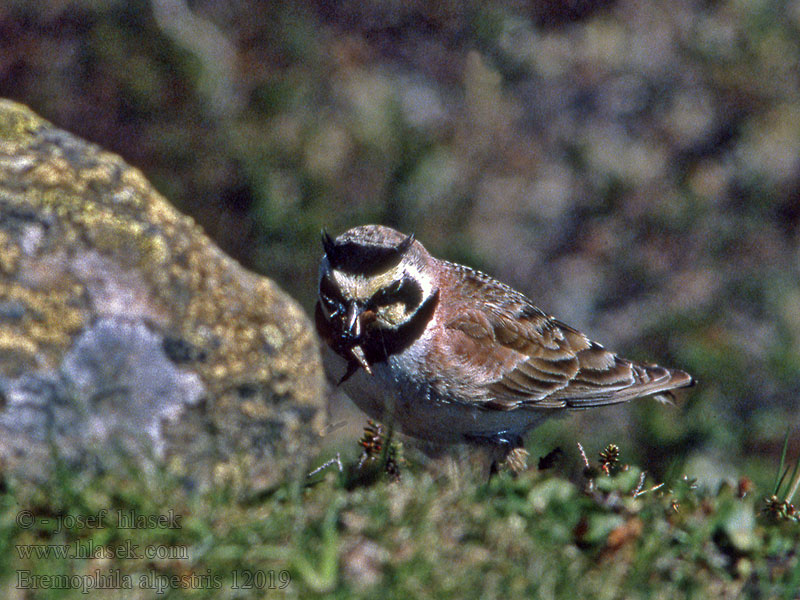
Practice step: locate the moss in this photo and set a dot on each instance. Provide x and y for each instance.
(455, 536)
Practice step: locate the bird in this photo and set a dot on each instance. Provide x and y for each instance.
(450, 355)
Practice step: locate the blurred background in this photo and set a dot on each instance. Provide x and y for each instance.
(633, 167)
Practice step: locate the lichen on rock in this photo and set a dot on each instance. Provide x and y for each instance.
(118, 316)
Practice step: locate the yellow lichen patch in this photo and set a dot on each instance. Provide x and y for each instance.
(134, 178)
(63, 203)
(157, 210)
(113, 233)
(18, 123)
(9, 254)
(54, 172)
(50, 316)
(273, 335)
(11, 341)
(255, 410)
(130, 241)
(158, 251)
(219, 372)
(48, 319)
(96, 177)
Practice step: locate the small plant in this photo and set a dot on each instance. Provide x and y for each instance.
(609, 459)
(774, 506)
(371, 442)
(376, 444)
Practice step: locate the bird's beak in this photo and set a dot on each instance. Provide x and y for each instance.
(353, 334)
(353, 322)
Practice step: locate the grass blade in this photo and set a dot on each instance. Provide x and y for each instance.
(778, 477)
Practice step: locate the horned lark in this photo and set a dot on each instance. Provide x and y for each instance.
(448, 354)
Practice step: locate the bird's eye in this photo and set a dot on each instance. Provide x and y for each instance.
(330, 304)
(329, 289)
(329, 294)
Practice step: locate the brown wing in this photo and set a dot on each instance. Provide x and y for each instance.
(529, 358)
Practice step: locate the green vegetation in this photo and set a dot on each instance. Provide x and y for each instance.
(610, 532)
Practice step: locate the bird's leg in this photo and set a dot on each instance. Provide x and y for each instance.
(505, 448)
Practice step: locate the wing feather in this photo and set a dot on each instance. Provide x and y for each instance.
(530, 359)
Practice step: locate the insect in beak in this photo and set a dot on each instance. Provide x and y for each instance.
(353, 332)
(358, 354)
(354, 311)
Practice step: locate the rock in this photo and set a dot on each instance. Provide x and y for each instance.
(125, 332)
